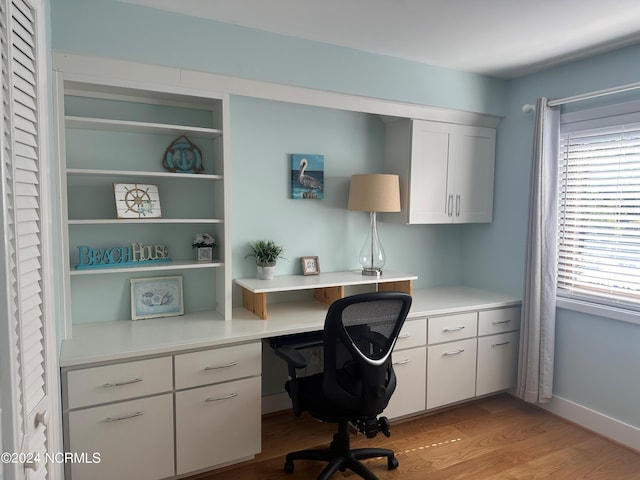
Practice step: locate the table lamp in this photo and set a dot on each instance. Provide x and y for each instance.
(374, 193)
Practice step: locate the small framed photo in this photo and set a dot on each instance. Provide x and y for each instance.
(137, 200)
(156, 297)
(310, 265)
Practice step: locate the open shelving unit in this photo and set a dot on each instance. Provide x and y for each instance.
(110, 134)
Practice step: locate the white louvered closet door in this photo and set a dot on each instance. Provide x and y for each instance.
(26, 402)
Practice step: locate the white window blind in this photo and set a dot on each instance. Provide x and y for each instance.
(599, 215)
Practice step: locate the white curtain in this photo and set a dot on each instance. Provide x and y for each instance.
(537, 334)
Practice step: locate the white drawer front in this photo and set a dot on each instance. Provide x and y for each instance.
(497, 362)
(413, 334)
(134, 439)
(453, 327)
(121, 381)
(451, 372)
(218, 365)
(217, 424)
(498, 321)
(410, 367)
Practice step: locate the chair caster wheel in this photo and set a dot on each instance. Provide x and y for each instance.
(288, 467)
(393, 463)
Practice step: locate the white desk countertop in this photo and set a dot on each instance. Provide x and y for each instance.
(126, 339)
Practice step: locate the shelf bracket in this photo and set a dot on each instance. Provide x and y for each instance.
(328, 295)
(404, 286)
(255, 302)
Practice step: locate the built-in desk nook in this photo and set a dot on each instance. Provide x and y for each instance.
(327, 287)
(184, 378)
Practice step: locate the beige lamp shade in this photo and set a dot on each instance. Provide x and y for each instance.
(374, 193)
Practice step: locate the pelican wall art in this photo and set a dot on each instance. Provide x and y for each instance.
(307, 176)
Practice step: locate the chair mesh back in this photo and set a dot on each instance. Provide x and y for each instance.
(379, 318)
(359, 335)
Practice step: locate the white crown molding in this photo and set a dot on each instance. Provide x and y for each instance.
(115, 72)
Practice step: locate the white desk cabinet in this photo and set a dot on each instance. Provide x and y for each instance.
(132, 429)
(126, 411)
(451, 372)
(230, 401)
(498, 347)
(471, 354)
(446, 171)
(134, 439)
(497, 362)
(217, 424)
(410, 365)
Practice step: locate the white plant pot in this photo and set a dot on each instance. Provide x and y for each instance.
(265, 272)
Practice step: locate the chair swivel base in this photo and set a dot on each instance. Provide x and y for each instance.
(340, 457)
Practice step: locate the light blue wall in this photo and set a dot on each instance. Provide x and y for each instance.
(597, 359)
(114, 29)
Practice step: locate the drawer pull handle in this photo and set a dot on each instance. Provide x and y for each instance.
(120, 384)
(217, 399)
(453, 329)
(500, 344)
(232, 364)
(404, 335)
(502, 322)
(401, 362)
(125, 417)
(454, 352)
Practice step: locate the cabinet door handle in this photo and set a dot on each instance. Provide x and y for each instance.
(120, 384)
(217, 399)
(232, 364)
(500, 344)
(401, 362)
(450, 206)
(458, 205)
(501, 322)
(453, 352)
(404, 335)
(453, 329)
(124, 417)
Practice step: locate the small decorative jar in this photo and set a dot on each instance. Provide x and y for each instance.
(204, 243)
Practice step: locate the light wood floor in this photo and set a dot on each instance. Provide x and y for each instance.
(496, 438)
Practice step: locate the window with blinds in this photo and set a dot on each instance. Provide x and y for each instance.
(599, 214)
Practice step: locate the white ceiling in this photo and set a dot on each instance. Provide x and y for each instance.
(503, 38)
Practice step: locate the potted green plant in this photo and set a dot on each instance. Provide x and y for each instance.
(266, 253)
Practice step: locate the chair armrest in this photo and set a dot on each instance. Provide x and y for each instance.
(292, 356)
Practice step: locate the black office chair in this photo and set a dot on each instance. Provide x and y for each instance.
(356, 384)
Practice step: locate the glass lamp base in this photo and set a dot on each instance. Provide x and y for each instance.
(374, 272)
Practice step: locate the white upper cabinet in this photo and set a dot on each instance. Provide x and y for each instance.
(446, 171)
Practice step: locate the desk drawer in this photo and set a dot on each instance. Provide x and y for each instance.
(134, 439)
(453, 327)
(413, 334)
(218, 365)
(498, 321)
(121, 381)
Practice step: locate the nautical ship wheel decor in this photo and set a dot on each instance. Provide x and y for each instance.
(183, 156)
(137, 200)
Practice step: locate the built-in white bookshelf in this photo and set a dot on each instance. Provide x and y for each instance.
(119, 134)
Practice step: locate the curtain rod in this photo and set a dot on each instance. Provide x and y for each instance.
(598, 93)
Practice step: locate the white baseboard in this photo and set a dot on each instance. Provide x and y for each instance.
(595, 421)
(275, 403)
